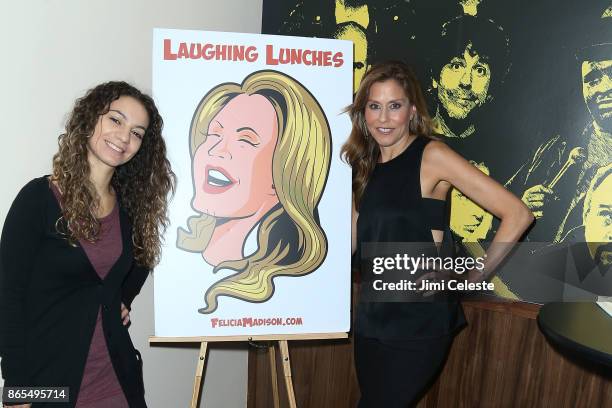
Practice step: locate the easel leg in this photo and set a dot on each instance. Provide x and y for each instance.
(274, 374)
(284, 349)
(198, 375)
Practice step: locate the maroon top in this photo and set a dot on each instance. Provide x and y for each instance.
(100, 387)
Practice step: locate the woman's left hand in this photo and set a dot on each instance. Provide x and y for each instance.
(125, 314)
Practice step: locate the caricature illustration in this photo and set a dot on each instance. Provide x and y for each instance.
(260, 154)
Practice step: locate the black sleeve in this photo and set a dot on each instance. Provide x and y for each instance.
(133, 283)
(21, 237)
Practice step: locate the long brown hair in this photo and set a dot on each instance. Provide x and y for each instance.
(142, 184)
(361, 151)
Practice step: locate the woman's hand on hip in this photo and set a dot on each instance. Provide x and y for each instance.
(125, 314)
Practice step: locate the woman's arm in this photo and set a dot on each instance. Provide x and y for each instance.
(354, 217)
(132, 284)
(21, 236)
(441, 163)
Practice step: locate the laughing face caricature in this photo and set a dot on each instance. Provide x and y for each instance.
(260, 154)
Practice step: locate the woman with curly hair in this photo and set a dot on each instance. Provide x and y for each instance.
(76, 248)
(401, 178)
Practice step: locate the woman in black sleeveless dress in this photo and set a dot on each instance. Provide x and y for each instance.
(401, 177)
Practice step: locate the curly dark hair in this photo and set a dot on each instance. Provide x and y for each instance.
(488, 39)
(142, 184)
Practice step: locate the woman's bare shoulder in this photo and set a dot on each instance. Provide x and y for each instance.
(437, 152)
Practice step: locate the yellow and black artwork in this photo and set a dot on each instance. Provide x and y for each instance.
(522, 89)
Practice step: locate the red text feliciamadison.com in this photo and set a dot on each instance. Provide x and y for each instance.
(256, 321)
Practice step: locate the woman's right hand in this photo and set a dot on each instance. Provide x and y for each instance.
(125, 314)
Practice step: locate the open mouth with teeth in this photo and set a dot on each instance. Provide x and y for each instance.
(217, 180)
(114, 146)
(385, 131)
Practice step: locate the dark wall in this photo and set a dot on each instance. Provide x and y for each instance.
(531, 129)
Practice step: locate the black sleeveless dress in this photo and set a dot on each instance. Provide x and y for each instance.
(392, 209)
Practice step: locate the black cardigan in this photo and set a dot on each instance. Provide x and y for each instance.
(50, 295)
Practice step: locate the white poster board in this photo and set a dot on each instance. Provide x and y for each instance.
(254, 127)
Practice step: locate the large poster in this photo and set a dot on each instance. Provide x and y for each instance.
(259, 235)
(522, 89)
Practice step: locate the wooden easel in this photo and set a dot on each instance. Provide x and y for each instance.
(284, 351)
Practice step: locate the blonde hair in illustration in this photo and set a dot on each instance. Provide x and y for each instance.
(290, 239)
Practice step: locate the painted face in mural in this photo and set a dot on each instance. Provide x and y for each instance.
(597, 91)
(388, 113)
(468, 220)
(464, 84)
(232, 169)
(598, 221)
(355, 33)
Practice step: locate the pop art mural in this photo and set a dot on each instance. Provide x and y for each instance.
(521, 89)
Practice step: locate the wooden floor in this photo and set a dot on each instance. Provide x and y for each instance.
(500, 360)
